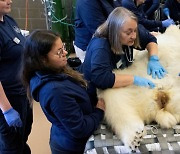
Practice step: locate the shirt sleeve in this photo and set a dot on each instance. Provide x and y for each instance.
(145, 37)
(149, 24)
(101, 69)
(153, 8)
(167, 4)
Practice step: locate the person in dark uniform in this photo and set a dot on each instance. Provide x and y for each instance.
(152, 25)
(112, 48)
(15, 113)
(61, 92)
(174, 9)
(90, 15)
(149, 7)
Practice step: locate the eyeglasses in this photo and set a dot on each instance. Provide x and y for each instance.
(61, 51)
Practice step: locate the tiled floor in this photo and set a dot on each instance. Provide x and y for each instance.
(39, 137)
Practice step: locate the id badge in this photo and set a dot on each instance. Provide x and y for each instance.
(119, 63)
(16, 40)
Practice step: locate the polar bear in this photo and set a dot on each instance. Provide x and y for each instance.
(128, 109)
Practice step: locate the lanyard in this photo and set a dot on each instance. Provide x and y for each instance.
(129, 54)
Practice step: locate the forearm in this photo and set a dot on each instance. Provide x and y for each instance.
(153, 7)
(152, 48)
(4, 103)
(123, 80)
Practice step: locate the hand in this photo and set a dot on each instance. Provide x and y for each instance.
(101, 104)
(140, 81)
(155, 68)
(12, 118)
(167, 22)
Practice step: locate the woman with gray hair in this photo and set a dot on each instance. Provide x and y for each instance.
(112, 48)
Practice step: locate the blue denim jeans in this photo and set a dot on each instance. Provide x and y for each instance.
(13, 140)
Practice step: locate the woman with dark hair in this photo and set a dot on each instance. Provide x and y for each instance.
(112, 48)
(61, 92)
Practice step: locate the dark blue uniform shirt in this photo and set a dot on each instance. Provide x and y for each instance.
(174, 9)
(149, 7)
(11, 48)
(89, 15)
(100, 61)
(138, 11)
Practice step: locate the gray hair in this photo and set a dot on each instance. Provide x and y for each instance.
(111, 27)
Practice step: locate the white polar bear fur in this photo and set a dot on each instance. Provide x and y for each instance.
(128, 109)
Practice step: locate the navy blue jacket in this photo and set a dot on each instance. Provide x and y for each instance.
(150, 6)
(67, 106)
(138, 11)
(89, 15)
(100, 61)
(174, 9)
(10, 56)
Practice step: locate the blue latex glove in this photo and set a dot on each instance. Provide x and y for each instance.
(167, 22)
(155, 68)
(12, 118)
(140, 81)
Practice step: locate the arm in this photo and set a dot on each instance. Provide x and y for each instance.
(101, 68)
(126, 80)
(149, 24)
(153, 8)
(11, 116)
(152, 49)
(4, 103)
(174, 10)
(168, 4)
(145, 37)
(103, 77)
(154, 67)
(123, 80)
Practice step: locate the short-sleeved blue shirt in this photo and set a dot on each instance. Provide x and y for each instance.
(11, 48)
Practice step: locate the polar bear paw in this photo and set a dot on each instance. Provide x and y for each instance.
(165, 119)
(133, 141)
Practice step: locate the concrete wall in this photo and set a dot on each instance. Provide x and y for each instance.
(36, 16)
(37, 19)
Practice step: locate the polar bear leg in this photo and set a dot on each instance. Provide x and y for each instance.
(131, 131)
(133, 136)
